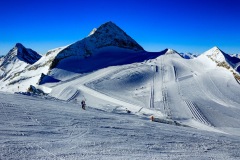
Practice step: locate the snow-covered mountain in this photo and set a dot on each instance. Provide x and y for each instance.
(195, 102)
(20, 53)
(170, 51)
(21, 74)
(17, 59)
(105, 46)
(175, 90)
(188, 55)
(222, 59)
(183, 55)
(106, 35)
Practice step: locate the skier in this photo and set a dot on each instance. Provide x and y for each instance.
(128, 111)
(83, 104)
(152, 118)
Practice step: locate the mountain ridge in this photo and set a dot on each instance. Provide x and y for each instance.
(223, 59)
(108, 45)
(16, 60)
(108, 34)
(24, 54)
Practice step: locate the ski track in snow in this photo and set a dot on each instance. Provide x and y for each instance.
(166, 73)
(197, 113)
(132, 107)
(73, 96)
(164, 92)
(31, 145)
(206, 91)
(222, 95)
(194, 110)
(152, 94)
(100, 135)
(80, 83)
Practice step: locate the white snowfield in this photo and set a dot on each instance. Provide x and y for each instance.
(37, 128)
(195, 105)
(168, 87)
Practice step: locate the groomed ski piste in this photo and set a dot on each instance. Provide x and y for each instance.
(195, 105)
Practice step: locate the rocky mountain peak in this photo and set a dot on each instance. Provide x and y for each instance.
(109, 34)
(21, 53)
(19, 45)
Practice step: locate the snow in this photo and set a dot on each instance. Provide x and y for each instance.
(93, 31)
(215, 53)
(188, 55)
(107, 35)
(104, 57)
(168, 87)
(171, 51)
(20, 75)
(199, 117)
(220, 57)
(61, 130)
(193, 103)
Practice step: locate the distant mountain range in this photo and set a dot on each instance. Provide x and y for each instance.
(108, 45)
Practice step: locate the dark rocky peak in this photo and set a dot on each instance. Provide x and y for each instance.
(21, 53)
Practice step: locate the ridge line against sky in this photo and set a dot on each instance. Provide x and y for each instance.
(183, 25)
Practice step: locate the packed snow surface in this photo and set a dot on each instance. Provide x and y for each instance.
(36, 128)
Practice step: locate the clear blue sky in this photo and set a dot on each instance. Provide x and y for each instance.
(183, 25)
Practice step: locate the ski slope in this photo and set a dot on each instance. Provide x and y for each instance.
(38, 128)
(168, 87)
(195, 106)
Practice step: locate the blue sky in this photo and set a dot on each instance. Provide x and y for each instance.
(183, 25)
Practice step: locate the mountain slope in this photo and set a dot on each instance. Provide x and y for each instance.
(16, 60)
(108, 45)
(105, 46)
(223, 59)
(19, 52)
(169, 87)
(187, 55)
(105, 57)
(106, 35)
(17, 75)
(183, 55)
